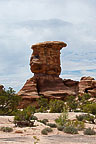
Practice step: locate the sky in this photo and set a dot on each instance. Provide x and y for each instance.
(26, 22)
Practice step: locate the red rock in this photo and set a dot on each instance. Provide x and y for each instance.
(87, 85)
(46, 57)
(45, 64)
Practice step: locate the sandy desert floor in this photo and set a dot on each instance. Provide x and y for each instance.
(27, 135)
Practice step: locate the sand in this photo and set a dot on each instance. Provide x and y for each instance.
(29, 135)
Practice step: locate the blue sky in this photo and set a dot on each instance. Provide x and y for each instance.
(25, 22)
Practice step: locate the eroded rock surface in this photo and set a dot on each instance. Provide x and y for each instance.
(87, 85)
(45, 64)
(45, 58)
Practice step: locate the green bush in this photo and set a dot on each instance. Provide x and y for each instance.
(62, 119)
(8, 102)
(52, 125)
(89, 131)
(80, 117)
(46, 130)
(56, 106)
(43, 104)
(25, 117)
(72, 103)
(60, 128)
(6, 129)
(84, 98)
(86, 117)
(44, 121)
(70, 130)
(90, 108)
(75, 123)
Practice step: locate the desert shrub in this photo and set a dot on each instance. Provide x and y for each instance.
(46, 130)
(52, 125)
(89, 131)
(62, 119)
(44, 121)
(86, 117)
(42, 110)
(80, 117)
(83, 100)
(43, 104)
(56, 106)
(72, 103)
(60, 128)
(79, 125)
(70, 130)
(25, 117)
(84, 97)
(36, 139)
(76, 124)
(6, 129)
(90, 108)
(8, 101)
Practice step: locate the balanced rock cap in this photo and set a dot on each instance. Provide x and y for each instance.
(50, 44)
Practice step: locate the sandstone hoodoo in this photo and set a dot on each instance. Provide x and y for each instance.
(45, 64)
(46, 58)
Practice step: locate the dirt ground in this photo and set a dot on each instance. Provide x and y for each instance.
(29, 135)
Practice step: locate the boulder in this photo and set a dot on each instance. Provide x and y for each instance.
(87, 85)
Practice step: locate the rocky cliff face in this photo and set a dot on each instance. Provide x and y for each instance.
(45, 64)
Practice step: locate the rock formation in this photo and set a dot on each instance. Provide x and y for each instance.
(45, 64)
(87, 85)
(46, 58)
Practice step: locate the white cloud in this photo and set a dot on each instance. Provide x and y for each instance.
(25, 23)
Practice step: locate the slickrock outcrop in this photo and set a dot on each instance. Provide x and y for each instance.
(45, 64)
(87, 85)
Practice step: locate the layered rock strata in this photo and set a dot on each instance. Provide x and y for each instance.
(87, 85)
(46, 58)
(45, 64)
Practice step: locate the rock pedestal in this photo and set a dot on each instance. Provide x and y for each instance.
(45, 64)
